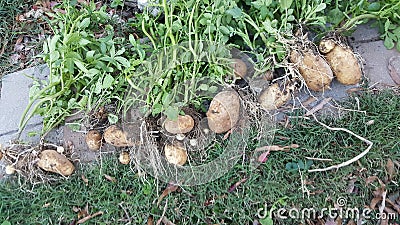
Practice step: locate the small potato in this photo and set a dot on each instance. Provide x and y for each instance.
(326, 45)
(93, 140)
(124, 158)
(272, 98)
(239, 68)
(184, 124)
(224, 110)
(175, 153)
(10, 169)
(117, 137)
(343, 63)
(53, 161)
(313, 68)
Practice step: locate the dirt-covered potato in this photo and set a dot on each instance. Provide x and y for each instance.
(273, 97)
(93, 140)
(53, 161)
(115, 136)
(344, 64)
(239, 68)
(124, 158)
(224, 111)
(175, 153)
(313, 68)
(182, 125)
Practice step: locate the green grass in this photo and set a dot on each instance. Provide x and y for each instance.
(212, 203)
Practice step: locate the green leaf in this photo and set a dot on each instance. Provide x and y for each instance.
(388, 43)
(81, 66)
(113, 119)
(267, 221)
(224, 30)
(374, 7)
(172, 112)
(69, 64)
(108, 81)
(398, 46)
(123, 61)
(320, 7)
(53, 42)
(84, 42)
(213, 89)
(387, 25)
(335, 16)
(235, 12)
(285, 4)
(5, 223)
(84, 23)
(89, 55)
(203, 87)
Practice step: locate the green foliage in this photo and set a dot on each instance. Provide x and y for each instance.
(85, 60)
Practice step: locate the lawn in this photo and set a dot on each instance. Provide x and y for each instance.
(133, 198)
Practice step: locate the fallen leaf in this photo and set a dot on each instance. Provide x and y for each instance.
(263, 157)
(371, 179)
(394, 205)
(354, 90)
(110, 178)
(351, 222)
(169, 189)
(167, 221)
(394, 74)
(150, 220)
(390, 169)
(375, 202)
(85, 180)
(234, 186)
(277, 148)
(384, 221)
(318, 107)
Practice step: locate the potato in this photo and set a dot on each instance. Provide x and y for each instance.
(53, 161)
(224, 111)
(117, 137)
(93, 140)
(313, 68)
(326, 45)
(239, 68)
(182, 125)
(124, 158)
(175, 153)
(272, 97)
(343, 62)
(10, 169)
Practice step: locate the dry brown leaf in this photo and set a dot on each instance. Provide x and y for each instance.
(150, 220)
(375, 202)
(393, 72)
(234, 186)
(371, 179)
(167, 221)
(351, 222)
(277, 148)
(318, 107)
(169, 189)
(394, 205)
(384, 221)
(110, 178)
(330, 221)
(390, 168)
(85, 180)
(309, 101)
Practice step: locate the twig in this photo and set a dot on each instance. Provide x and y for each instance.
(382, 207)
(163, 214)
(362, 154)
(126, 213)
(83, 220)
(319, 159)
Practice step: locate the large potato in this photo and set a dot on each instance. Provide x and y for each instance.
(117, 137)
(93, 140)
(175, 153)
(272, 98)
(53, 161)
(343, 62)
(313, 68)
(224, 111)
(182, 125)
